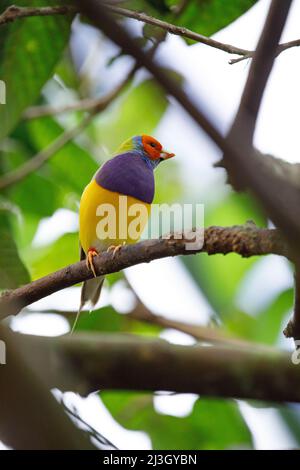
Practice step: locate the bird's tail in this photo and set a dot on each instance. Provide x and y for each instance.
(90, 292)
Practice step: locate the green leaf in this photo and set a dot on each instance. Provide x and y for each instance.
(13, 272)
(29, 50)
(154, 33)
(209, 16)
(269, 321)
(204, 428)
(203, 16)
(50, 258)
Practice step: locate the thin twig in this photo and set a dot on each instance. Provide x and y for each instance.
(86, 104)
(14, 12)
(200, 333)
(178, 30)
(141, 313)
(105, 443)
(245, 240)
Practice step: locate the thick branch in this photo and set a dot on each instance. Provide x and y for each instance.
(243, 127)
(245, 240)
(262, 65)
(128, 362)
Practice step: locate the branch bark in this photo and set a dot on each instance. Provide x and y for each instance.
(14, 12)
(245, 240)
(129, 362)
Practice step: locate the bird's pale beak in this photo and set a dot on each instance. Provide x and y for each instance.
(164, 155)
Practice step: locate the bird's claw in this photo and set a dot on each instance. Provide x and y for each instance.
(89, 260)
(115, 248)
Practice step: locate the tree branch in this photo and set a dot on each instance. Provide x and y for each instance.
(14, 12)
(177, 30)
(129, 362)
(261, 66)
(87, 104)
(246, 240)
(204, 334)
(141, 313)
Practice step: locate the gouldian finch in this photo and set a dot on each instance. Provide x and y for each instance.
(130, 173)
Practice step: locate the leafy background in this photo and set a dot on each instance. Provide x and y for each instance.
(40, 64)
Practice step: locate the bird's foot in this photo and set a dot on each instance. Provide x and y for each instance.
(89, 260)
(115, 248)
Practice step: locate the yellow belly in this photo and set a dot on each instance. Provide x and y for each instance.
(108, 218)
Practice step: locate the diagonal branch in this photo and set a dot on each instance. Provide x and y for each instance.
(245, 240)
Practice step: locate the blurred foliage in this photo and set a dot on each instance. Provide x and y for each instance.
(33, 52)
(209, 16)
(212, 424)
(123, 119)
(26, 69)
(226, 271)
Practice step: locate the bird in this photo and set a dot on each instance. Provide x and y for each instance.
(128, 175)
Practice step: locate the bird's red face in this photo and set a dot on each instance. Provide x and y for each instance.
(154, 149)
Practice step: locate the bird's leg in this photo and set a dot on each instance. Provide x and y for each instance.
(115, 248)
(89, 260)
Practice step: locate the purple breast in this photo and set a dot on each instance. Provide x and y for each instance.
(128, 174)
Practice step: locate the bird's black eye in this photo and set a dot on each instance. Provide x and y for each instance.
(153, 144)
